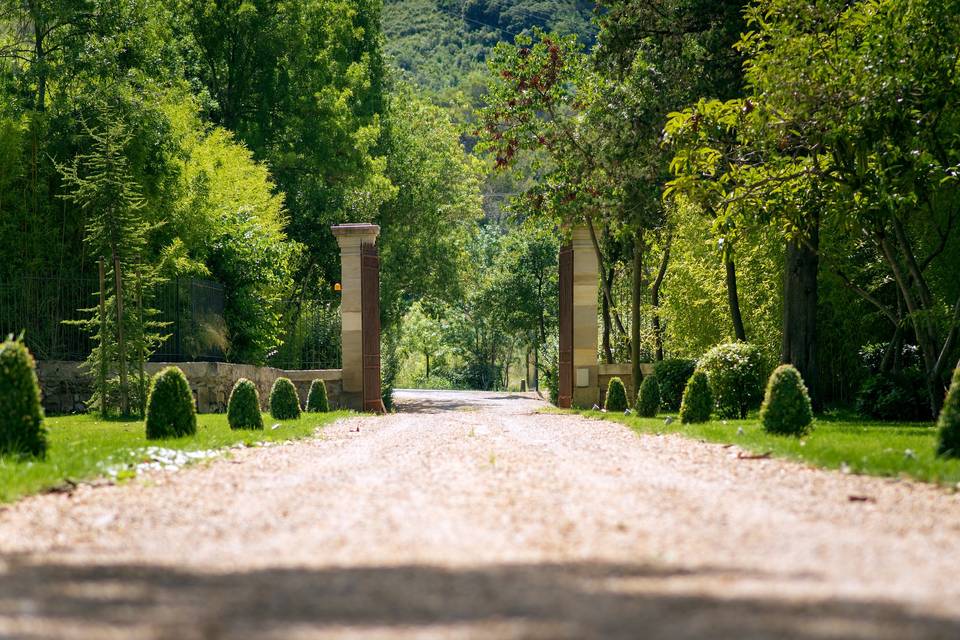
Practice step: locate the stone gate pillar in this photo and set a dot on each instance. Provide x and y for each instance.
(351, 238)
(586, 283)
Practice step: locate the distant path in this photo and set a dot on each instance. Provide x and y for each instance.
(472, 516)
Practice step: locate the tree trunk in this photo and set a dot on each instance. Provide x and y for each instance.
(606, 290)
(733, 298)
(428, 365)
(607, 322)
(536, 368)
(799, 346)
(655, 297)
(635, 302)
(104, 369)
(121, 347)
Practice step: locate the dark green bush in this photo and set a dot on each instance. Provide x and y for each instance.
(21, 414)
(672, 376)
(648, 398)
(697, 403)
(735, 373)
(616, 399)
(317, 398)
(284, 402)
(786, 408)
(893, 395)
(243, 410)
(170, 409)
(949, 423)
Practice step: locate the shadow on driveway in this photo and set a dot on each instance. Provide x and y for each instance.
(575, 600)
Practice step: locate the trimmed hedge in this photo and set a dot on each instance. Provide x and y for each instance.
(243, 410)
(284, 402)
(735, 374)
(697, 404)
(616, 399)
(21, 415)
(672, 376)
(170, 409)
(786, 408)
(949, 422)
(317, 398)
(648, 398)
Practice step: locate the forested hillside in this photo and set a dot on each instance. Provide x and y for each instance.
(441, 43)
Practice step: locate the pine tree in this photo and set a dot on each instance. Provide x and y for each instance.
(124, 331)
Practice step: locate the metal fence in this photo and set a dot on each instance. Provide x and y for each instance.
(42, 307)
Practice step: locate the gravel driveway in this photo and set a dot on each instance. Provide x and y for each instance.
(469, 515)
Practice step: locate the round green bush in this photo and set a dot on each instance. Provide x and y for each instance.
(21, 414)
(317, 398)
(672, 376)
(243, 410)
(170, 409)
(616, 399)
(648, 398)
(697, 403)
(284, 403)
(786, 408)
(949, 422)
(735, 374)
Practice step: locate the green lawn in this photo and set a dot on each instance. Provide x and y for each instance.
(837, 442)
(86, 447)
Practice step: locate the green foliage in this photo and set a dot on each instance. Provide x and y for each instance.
(697, 403)
(648, 398)
(317, 398)
(894, 395)
(786, 408)
(616, 398)
(949, 423)
(243, 409)
(170, 409)
(735, 371)
(284, 402)
(21, 414)
(672, 376)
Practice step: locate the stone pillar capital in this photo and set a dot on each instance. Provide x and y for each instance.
(351, 236)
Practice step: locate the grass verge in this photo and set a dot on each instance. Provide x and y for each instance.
(84, 447)
(837, 442)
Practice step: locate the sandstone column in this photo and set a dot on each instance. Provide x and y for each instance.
(586, 284)
(350, 237)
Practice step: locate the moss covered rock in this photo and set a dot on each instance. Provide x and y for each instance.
(616, 399)
(648, 398)
(284, 402)
(786, 408)
(243, 410)
(170, 409)
(697, 403)
(21, 414)
(317, 401)
(949, 422)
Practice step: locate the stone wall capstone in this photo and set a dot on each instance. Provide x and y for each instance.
(66, 387)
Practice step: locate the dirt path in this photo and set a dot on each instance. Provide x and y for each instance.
(471, 516)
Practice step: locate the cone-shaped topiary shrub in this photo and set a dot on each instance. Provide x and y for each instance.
(786, 406)
(735, 372)
(21, 414)
(648, 398)
(949, 423)
(317, 398)
(243, 410)
(170, 409)
(284, 402)
(697, 403)
(672, 376)
(616, 396)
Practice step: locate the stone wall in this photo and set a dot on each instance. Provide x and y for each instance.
(66, 388)
(624, 371)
